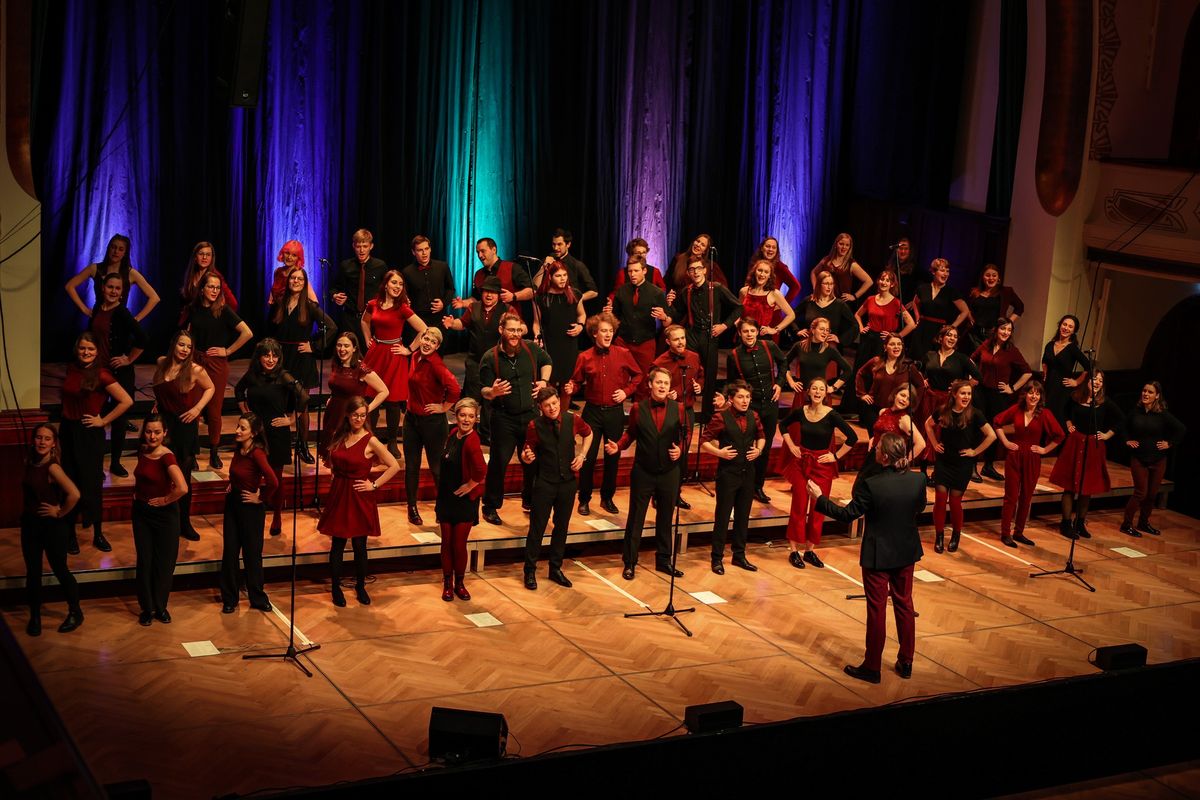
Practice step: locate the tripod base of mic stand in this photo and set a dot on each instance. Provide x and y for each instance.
(1069, 569)
(669, 611)
(291, 654)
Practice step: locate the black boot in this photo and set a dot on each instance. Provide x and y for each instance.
(214, 459)
(74, 620)
(34, 628)
(953, 546)
(186, 531)
(360, 591)
(939, 542)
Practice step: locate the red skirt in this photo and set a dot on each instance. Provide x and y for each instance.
(393, 369)
(349, 514)
(1069, 471)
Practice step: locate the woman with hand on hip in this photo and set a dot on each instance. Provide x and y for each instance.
(159, 485)
(250, 480)
(49, 497)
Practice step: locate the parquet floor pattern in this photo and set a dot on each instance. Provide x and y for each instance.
(566, 668)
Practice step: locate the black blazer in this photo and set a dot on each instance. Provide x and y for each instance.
(891, 502)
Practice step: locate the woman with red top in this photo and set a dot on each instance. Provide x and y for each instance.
(250, 480)
(897, 419)
(432, 391)
(1003, 371)
(116, 262)
(558, 319)
(121, 340)
(383, 331)
(203, 261)
(292, 325)
(845, 270)
(217, 333)
(988, 302)
(158, 485)
(957, 434)
(1035, 433)
(460, 485)
(181, 391)
(882, 316)
(781, 273)
(880, 376)
(86, 387)
(351, 511)
(291, 255)
(348, 377)
(700, 249)
(764, 303)
(808, 434)
(1082, 465)
(49, 496)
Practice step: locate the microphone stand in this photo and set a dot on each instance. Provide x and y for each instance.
(292, 653)
(671, 611)
(694, 477)
(1069, 568)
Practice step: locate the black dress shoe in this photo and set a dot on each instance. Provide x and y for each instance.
(530, 581)
(761, 496)
(1007, 541)
(264, 607)
(189, 533)
(1146, 527)
(145, 618)
(276, 531)
(557, 576)
(101, 544)
(163, 616)
(609, 506)
(904, 669)
(862, 673)
(73, 544)
(666, 569)
(627, 573)
(811, 557)
(74, 620)
(117, 471)
(34, 627)
(414, 516)
(684, 504)
(718, 568)
(1023, 539)
(584, 509)
(490, 516)
(214, 459)
(361, 593)
(228, 608)
(1129, 530)
(795, 559)
(1067, 529)
(742, 563)
(1081, 529)
(339, 598)
(306, 455)
(990, 472)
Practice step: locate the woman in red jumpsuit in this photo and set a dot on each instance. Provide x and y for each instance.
(1035, 433)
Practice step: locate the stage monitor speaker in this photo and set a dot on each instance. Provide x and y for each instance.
(712, 717)
(1120, 656)
(243, 50)
(458, 736)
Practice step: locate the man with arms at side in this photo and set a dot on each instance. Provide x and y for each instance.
(891, 502)
(430, 284)
(356, 281)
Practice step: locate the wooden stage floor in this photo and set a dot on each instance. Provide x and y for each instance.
(566, 668)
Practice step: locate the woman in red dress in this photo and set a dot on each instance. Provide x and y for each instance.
(350, 509)
(1035, 433)
(764, 303)
(768, 250)
(460, 485)
(880, 376)
(383, 330)
(349, 377)
(1088, 429)
(49, 496)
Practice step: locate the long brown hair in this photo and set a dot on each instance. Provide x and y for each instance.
(343, 428)
(218, 305)
(828, 261)
(192, 275)
(1083, 392)
(751, 282)
(183, 379)
(383, 295)
(946, 416)
(301, 302)
(679, 264)
(355, 357)
(91, 373)
(258, 436)
(53, 457)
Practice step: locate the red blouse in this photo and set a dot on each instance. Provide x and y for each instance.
(429, 381)
(151, 476)
(248, 472)
(77, 401)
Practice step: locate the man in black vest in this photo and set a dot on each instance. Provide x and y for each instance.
(734, 434)
(640, 305)
(706, 310)
(550, 447)
(891, 545)
(356, 283)
(657, 425)
(429, 283)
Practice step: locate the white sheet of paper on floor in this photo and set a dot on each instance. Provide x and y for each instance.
(205, 475)
(425, 537)
(197, 649)
(1129, 551)
(601, 524)
(483, 620)
(927, 576)
(708, 598)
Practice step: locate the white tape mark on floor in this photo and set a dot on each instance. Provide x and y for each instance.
(1001, 551)
(844, 575)
(612, 585)
(287, 624)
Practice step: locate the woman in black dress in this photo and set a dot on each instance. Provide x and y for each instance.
(958, 433)
(941, 367)
(121, 341)
(824, 303)
(810, 358)
(270, 392)
(460, 485)
(1150, 432)
(558, 319)
(988, 302)
(158, 485)
(292, 324)
(935, 305)
(49, 497)
(1059, 359)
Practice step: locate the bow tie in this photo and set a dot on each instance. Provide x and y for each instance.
(656, 404)
(602, 350)
(678, 357)
(750, 349)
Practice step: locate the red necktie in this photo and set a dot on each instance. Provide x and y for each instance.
(741, 420)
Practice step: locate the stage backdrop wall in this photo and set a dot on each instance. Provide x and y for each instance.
(460, 119)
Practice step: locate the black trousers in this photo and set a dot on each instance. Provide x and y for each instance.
(116, 433)
(508, 434)
(46, 535)
(426, 432)
(768, 415)
(735, 494)
(707, 348)
(183, 439)
(664, 488)
(607, 423)
(243, 532)
(156, 540)
(83, 461)
(547, 497)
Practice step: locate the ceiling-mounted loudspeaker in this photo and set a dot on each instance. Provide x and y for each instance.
(459, 736)
(243, 50)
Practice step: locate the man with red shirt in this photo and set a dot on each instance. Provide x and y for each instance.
(734, 434)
